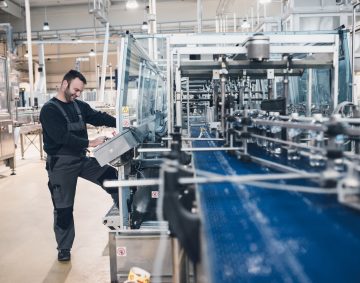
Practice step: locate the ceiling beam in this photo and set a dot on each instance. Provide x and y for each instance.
(12, 9)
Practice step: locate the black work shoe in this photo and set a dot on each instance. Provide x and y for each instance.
(64, 255)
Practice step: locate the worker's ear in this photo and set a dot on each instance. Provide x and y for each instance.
(64, 85)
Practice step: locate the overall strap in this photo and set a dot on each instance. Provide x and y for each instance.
(72, 126)
(61, 109)
(77, 108)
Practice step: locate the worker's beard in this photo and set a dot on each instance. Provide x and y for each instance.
(69, 97)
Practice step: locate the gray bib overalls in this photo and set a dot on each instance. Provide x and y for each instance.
(63, 171)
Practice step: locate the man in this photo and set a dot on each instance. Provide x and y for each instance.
(63, 120)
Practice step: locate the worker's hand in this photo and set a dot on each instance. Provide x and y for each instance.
(97, 141)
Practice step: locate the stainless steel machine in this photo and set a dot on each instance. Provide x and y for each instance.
(8, 89)
(259, 178)
(135, 231)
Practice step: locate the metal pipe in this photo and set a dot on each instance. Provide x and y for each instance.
(188, 106)
(121, 196)
(247, 178)
(350, 120)
(175, 251)
(199, 16)
(195, 139)
(211, 149)
(189, 149)
(352, 131)
(9, 35)
(274, 165)
(119, 97)
(302, 118)
(290, 143)
(104, 63)
(234, 21)
(309, 96)
(353, 53)
(293, 188)
(258, 13)
(214, 179)
(351, 155)
(335, 74)
(29, 47)
(168, 84)
(223, 92)
(178, 93)
(132, 183)
(111, 78)
(309, 127)
(152, 30)
(252, 18)
(42, 63)
(68, 42)
(324, 119)
(244, 140)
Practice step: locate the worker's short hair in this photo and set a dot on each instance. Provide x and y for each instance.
(73, 74)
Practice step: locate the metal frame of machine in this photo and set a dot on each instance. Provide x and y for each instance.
(230, 44)
(240, 129)
(8, 89)
(141, 121)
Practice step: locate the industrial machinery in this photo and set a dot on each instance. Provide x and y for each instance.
(8, 89)
(258, 177)
(141, 122)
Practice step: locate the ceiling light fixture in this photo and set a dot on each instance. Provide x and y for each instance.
(132, 4)
(265, 1)
(46, 26)
(82, 59)
(46, 23)
(3, 4)
(145, 26)
(245, 24)
(92, 53)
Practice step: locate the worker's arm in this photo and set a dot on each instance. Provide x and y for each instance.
(96, 118)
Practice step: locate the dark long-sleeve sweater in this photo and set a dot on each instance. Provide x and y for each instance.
(56, 134)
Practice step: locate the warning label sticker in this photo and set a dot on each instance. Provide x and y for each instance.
(125, 116)
(121, 251)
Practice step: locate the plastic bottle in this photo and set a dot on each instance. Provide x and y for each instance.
(317, 140)
(293, 136)
(262, 130)
(276, 134)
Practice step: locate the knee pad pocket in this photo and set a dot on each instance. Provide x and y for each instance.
(64, 217)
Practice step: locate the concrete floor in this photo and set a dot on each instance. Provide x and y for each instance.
(27, 242)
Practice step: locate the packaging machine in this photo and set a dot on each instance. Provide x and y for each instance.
(258, 177)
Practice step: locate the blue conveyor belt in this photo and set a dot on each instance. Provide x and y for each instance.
(258, 235)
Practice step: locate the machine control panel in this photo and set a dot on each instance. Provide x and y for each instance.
(115, 147)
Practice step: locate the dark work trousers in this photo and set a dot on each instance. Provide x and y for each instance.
(63, 172)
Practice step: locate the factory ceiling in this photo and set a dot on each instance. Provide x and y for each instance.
(48, 3)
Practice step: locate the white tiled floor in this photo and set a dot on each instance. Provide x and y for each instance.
(27, 243)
